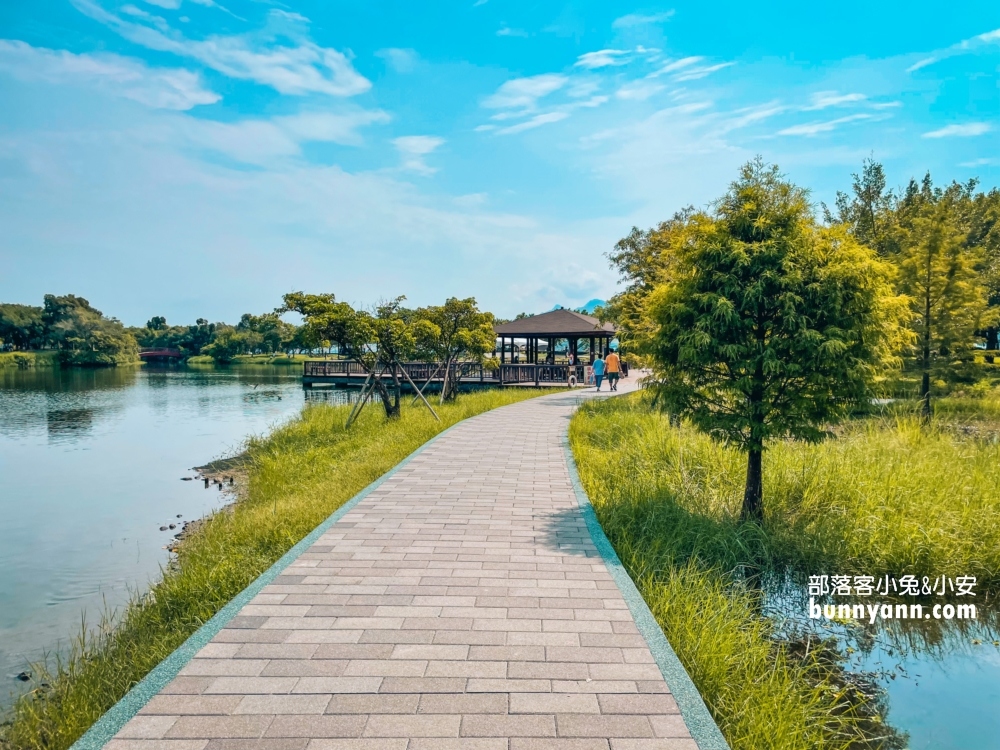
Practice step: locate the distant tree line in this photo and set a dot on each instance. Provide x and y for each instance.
(84, 336)
(388, 333)
(253, 334)
(81, 334)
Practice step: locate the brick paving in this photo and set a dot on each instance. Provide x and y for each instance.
(460, 606)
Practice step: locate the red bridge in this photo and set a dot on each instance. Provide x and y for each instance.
(149, 353)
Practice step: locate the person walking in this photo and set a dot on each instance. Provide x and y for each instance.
(598, 366)
(613, 366)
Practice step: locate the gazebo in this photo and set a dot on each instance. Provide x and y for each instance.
(548, 328)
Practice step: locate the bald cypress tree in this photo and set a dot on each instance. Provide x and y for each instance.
(768, 325)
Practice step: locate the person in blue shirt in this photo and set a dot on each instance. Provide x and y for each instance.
(598, 366)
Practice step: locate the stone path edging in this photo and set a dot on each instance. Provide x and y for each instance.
(696, 715)
(688, 701)
(133, 701)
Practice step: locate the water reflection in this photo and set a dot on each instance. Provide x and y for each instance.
(91, 462)
(940, 679)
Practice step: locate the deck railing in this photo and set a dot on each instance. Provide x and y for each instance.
(419, 372)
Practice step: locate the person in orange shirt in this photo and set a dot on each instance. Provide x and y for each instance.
(613, 367)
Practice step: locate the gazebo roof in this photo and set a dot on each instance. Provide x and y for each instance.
(555, 324)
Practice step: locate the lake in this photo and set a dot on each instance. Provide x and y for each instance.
(940, 679)
(91, 466)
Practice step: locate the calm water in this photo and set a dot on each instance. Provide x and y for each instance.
(941, 678)
(90, 467)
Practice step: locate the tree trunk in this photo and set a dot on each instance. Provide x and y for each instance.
(450, 392)
(991, 343)
(444, 381)
(390, 401)
(925, 364)
(753, 495)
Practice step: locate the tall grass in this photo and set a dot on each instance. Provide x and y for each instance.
(298, 476)
(885, 496)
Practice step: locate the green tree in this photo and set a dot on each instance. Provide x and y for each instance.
(228, 343)
(766, 324)
(380, 340)
(272, 332)
(84, 336)
(870, 210)
(939, 273)
(460, 332)
(642, 260)
(21, 327)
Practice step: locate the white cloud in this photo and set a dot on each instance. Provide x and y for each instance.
(968, 130)
(594, 101)
(675, 65)
(814, 128)
(400, 60)
(695, 73)
(639, 90)
(168, 4)
(983, 162)
(267, 141)
(162, 88)
(535, 122)
(601, 59)
(921, 64)
(412, 150)
(741, 118)
(328, 127)
(825, 99)
(638, 19)
(524, 93)
(301, 68)
(990, 36)
(507, 31)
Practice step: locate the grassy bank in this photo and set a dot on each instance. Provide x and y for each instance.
(885, 496)
(25, 360)
(298, 475)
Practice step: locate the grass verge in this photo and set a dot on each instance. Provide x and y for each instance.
(298, 475)
(885, 496)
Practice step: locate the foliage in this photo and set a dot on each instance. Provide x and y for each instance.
(228, 343)
(766, 325)
(84, 336)
(938, 274)
(26, 360)
(458, 331)
(643, 260)
(270, 333)
(890, 224)
(298, 476)
(869, 212)
(21, 327)
(380, 340)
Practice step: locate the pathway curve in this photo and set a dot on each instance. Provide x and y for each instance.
(461, 605)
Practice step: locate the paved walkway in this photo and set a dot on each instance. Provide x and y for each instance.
(460, 606)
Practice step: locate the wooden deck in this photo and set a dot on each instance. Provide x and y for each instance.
(350, 374)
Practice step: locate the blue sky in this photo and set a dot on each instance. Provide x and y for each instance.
(198, 158)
